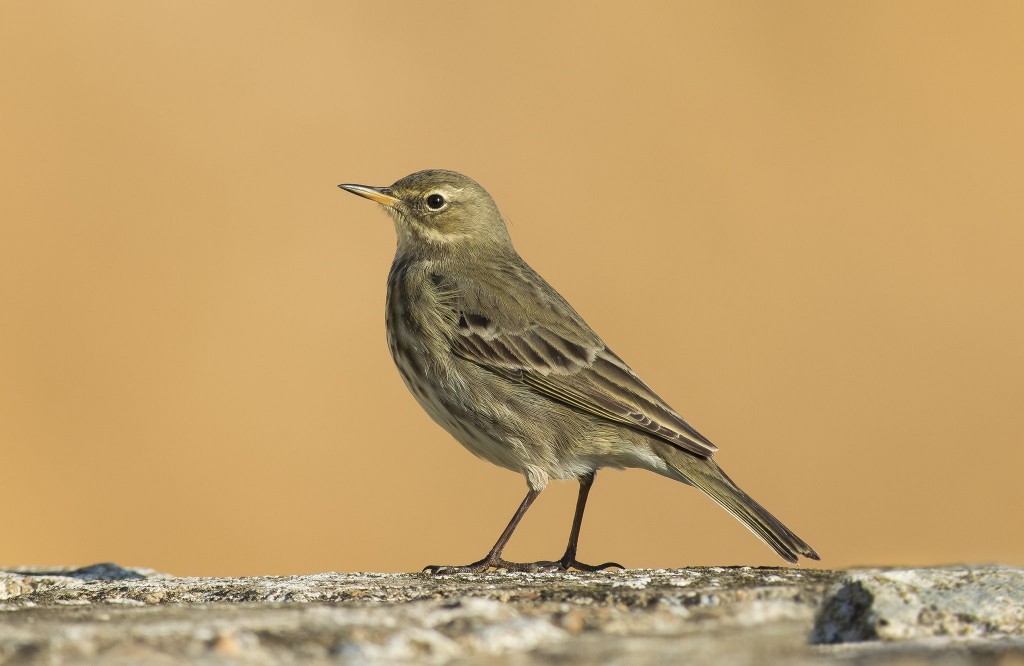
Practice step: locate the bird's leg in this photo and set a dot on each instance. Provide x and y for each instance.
(569, 560)
(493, 558)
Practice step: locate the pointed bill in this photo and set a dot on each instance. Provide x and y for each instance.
(379, 194)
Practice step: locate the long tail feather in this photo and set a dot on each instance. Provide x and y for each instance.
(705, 474)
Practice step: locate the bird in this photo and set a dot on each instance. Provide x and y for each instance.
(500, 360)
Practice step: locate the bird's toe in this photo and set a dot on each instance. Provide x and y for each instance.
(580, 566)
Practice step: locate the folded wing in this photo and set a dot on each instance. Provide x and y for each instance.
(567, 362)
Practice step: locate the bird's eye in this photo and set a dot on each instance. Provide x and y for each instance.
(435, 201)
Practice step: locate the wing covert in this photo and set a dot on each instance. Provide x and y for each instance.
(577, 370)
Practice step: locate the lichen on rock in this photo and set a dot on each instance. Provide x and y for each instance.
(737, 615)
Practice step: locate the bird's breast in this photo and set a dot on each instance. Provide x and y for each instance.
(416, 329)
(481, 410)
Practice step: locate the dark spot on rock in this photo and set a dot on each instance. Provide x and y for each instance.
(847, 617)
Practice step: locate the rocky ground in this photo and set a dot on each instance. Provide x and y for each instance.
(104, 613)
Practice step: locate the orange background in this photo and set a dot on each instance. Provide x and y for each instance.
(801, 223)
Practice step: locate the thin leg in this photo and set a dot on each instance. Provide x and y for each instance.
(493, 558)
(499, 545)
(569, 560)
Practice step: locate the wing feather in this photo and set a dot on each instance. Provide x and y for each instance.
(549, 348)
(588, 378)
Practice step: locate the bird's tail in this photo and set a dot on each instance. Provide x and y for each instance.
(705, 474)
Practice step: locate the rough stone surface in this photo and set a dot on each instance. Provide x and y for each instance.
(110, 614)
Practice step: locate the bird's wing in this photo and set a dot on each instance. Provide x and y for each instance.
(553, 351)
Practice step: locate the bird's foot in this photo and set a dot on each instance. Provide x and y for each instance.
(484, 565)
(448, 569)
(564, 564)
(568, 563)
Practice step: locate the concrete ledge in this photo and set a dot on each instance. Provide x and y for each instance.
(959, 615)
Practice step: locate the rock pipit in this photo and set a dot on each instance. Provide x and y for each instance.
(501, 361)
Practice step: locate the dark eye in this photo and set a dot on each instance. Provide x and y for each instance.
(435, 201)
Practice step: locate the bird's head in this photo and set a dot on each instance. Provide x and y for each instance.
(439, 210)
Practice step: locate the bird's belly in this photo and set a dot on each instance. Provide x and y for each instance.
(514, 433)
(480, 413)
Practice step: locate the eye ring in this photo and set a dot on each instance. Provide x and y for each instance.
(435, 201)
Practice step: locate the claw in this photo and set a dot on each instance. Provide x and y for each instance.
(449, 569)
(580, 566)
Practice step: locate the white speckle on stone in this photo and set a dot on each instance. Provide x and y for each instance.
(757, 612)
(521, 634)
(124, 602)
(470, 608)
(423, 646)
(638, 583)
(907, 577)
(416, 644)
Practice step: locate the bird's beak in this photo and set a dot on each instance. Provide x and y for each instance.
(379, 194)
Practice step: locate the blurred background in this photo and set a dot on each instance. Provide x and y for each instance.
(801, 223)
